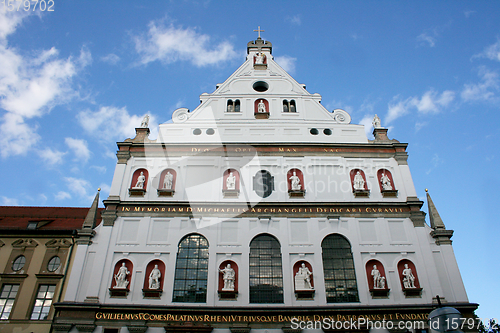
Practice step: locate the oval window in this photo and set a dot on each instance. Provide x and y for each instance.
(260, 86)
(54, 264)
(18, 263)
(314, 131)
(197, 131)
(327, 131)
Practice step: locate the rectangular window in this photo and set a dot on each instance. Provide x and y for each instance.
(43, 301)
(7, 298)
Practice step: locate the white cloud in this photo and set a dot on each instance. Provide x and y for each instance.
(80, 187)
(9, 201)
(491, 52)
(430, 102)
(171, 44)
(61, 195)
(80, 148)
(367, 122)
(426, 39)
(294, 19)
(30, 86)
(100, 169)
(468, 13)
(111, 123)
(111, 58)
(51, 156)
(484, 90)
(396, 109)
(288, 63)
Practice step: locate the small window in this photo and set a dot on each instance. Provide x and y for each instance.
(18, 263)
(237, 105)
(43, 302)
(327, 131)
(314, 131)
(292, 106)
(260, 86)
(54, 264)
(32, 225)
(230, 106)
(210, 131)
(197, 131)
(7, 298)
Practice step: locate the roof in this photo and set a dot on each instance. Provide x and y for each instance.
(47, 218)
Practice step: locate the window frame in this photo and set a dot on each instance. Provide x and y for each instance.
(4, 305)
(44, 300)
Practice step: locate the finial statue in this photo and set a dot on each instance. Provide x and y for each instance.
(145, 121)
(376, 122)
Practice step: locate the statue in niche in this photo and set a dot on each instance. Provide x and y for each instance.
(378, 279)
(121, 277)
(295, 182)
(303, 278)
(168, 181)
(230, 108)
(154, 278)
(285, 107)
(231, 181)
(408, 277)
(259, 58)
(261, 107)
(376, 122)
(386, 182)
(140, 181)
(359, 182)
(145, 121)
(292, 108)
(228, 276)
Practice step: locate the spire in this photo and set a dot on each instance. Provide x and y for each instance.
(91, 218)
(436, 221)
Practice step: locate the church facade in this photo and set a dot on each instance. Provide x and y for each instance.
(261, 211)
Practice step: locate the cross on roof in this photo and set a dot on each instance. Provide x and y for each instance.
(259, 31)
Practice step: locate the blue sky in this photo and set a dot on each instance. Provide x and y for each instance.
(76, 80)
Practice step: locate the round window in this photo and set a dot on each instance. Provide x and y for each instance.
(260, 86)
(210, 131)
(54, 264)
(18, 263)
(314, 131)
(327, 131)
(197, 131)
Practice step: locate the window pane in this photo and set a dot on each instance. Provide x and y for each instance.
(43, 302)
(7, 298)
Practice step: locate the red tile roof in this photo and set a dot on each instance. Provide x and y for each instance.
(61, 218)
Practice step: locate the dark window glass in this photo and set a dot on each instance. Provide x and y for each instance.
(7, 298)
(263, 183)
(191, 270)
(18, 263)
(237, 106)
(197, 131)
(266, 274)
(43, 302)
(338, 266)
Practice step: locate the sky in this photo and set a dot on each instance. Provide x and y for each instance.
(79, 78)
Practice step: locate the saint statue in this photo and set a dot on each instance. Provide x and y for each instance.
(261, 107)
(168, 181)
(228, 276)
(303, 278)
(140, 181)
(154, 278)
(376, 122)
(145, 121)
(378, 279)
(386, 182)
(359, 182)
(295, 182)
(259, 58)
(231, 182)
(408, 278)
(121, 277)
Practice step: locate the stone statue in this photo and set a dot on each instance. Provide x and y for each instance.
(408, 278)
(376, 122)
(359, 182)
(303, 278)
(378, 279)
(230, 108)
(140, 181)
(295, 182)
(261, 107)
(145, 121)
(228, 276)
(285, 107)
(386, 182)
(231, 182)
(259, 58)
(168, 181)
(121, 277)
(154, 278)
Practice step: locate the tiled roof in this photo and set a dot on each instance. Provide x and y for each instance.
(48, 218)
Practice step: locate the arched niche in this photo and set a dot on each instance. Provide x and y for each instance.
(295, 183)
(166, 185)
(261, 108)
(231, 183)
(139, 183)
(230, 106)
(155, 271)
(358, 182)
(263, 183)
(122, 278)
(409, 278)
(377, 279)
(386, 183)
(259, 58)
(303, 280)
(229, 291)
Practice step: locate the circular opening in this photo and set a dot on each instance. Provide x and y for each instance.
(327, 131)
(210, 131)
(260, 86)
(54, 264)
(197, 131)
(18, 264)
(314, 131)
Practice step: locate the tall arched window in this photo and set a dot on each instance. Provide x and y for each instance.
(266, 273)
(191, 270)
(338, 266)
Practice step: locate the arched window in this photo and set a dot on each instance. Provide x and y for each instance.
(266, 273)
(230, 106)
(338, 267)
(191, 270)
(293, 108)
(286, 107)
(237, 105)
